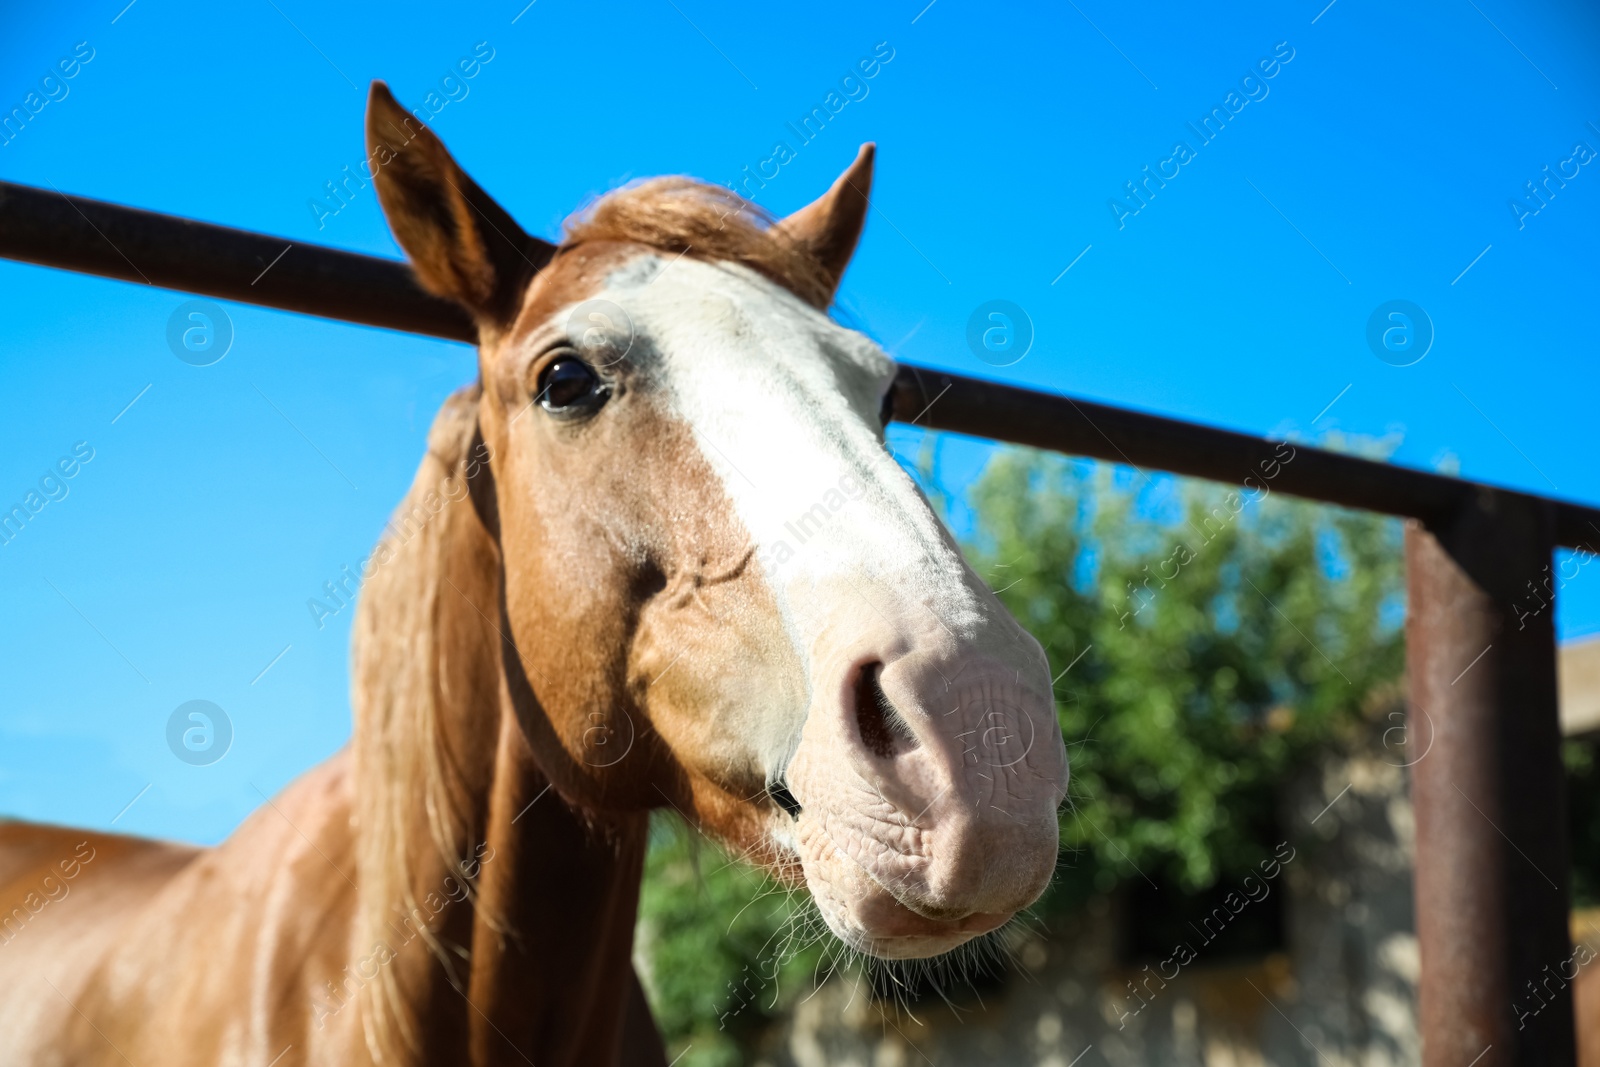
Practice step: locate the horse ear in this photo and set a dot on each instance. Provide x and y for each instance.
(829, 226)
(463, 245)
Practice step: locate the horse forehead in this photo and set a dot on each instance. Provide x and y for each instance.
(685, 306)
(577, 274)
(782, 403)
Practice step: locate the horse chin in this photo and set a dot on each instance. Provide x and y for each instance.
(895, 932)
(871, 920)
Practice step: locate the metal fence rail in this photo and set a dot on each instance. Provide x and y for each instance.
(1492, 870)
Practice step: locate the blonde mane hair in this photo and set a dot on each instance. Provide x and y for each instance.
(426, 712)
(681, 215)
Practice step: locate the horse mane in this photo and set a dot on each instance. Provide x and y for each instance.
(682, 215)
(425, 711)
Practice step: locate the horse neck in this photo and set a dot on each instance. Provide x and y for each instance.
(513, 913)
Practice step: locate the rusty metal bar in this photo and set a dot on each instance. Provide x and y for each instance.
(94, 237)
(116, 242)
(1492, 861)
(1062, 423)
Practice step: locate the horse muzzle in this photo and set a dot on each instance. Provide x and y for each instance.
(928, 790)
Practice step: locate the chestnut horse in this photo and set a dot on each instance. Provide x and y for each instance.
(658, 556)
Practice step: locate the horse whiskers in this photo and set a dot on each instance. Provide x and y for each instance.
(900, 983)
(750, 904)
(748, 854)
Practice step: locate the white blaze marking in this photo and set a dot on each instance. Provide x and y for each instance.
(783, 403)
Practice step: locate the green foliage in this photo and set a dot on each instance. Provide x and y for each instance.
(726, 947)
(1214, 644)
(1583, 816)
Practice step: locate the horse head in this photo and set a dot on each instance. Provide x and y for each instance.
(719, 590)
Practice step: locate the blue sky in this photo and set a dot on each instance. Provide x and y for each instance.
(1378, 163)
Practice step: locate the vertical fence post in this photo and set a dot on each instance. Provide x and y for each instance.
(1492, 878)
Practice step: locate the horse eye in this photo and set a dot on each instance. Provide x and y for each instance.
(569, 383)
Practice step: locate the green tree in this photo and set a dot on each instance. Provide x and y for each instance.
(725, 947)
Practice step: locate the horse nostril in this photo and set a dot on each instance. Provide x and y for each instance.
(779, 792)
(881, 726)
